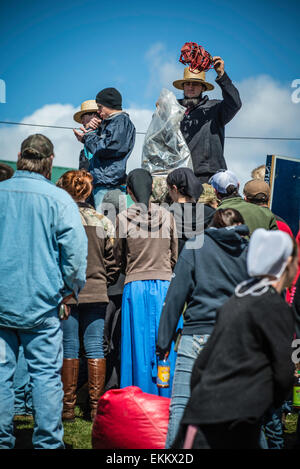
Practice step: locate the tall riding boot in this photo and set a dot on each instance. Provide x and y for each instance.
(96, 373)
(69, 376)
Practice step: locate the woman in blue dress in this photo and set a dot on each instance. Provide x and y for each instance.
(146, 251)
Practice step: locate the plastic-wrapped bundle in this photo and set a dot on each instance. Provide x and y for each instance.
(165, 147)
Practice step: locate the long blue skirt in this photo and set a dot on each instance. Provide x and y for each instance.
(141, 309)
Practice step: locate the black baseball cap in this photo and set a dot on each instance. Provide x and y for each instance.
(36, 146)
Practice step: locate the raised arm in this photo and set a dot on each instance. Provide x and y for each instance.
(231, 103)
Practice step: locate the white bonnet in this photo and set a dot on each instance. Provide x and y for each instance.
(268, 253)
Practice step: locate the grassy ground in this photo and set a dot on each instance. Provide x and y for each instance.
(290, 431)
(77, 435)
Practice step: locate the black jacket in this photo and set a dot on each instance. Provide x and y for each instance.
(245, 366)
(203, 127)
(190, 221)
(83, 161)
(204, 278)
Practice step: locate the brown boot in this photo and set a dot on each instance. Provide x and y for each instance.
(96, 372)
(69, 376)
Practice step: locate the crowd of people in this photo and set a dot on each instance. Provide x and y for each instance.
(105, 273)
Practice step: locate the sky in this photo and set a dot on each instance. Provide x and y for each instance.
(54, 55)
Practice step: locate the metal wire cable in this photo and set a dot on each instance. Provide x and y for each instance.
(49, 126)
(143, 133)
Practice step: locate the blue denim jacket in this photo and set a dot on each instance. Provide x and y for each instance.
(43, 249)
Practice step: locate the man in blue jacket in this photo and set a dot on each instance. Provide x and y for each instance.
(43, 249)
(111, 144)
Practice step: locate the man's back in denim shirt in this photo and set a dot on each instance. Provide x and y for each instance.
(43, 249)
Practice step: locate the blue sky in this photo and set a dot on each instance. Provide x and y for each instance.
(54, 55)
(66, 51)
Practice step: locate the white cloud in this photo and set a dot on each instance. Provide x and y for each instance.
(163, 70)
(66, 146)
(141, 119)
(267, 111)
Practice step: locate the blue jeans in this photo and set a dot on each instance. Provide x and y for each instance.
(43, 353)
(100, 191)
(22, 386)
(90, 318)
(189, 348)
(273, 431)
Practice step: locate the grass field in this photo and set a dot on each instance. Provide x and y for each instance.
(78, 434)
(290, 431)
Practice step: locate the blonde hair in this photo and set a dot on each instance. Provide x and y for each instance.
(259, 172)
(208, 195)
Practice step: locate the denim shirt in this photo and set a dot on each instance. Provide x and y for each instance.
(43, 249)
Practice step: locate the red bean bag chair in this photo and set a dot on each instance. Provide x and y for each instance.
(128, 418)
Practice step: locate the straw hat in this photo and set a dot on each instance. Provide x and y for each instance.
(86, 106)
(196, 77)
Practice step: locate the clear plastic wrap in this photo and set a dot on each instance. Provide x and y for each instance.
(164, 146)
